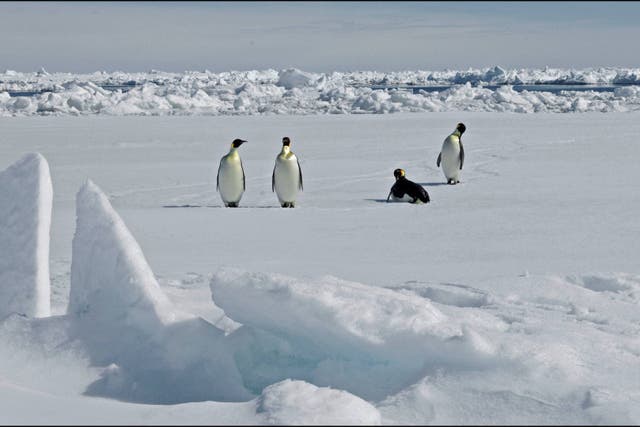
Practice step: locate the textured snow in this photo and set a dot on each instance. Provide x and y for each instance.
(109, 269)
(293, 91)
(153, 353)
(370, 341)
(512, 298)
(297, 402)
(26, 197)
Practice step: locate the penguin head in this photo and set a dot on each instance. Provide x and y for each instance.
(286, 141)
(237, 142)
(398, 173)
(461, 128)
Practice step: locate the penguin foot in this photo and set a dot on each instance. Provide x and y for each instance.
(285, 205)
(232, 205)
(451, 182)
(289, 205)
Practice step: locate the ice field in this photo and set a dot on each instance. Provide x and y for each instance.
(294, 91)
(511, 298)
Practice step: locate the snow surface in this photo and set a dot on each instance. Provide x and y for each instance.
(510, 298)
(153, 353)
(293, 91)
(26, 198)
(297, 402)
(370, 341)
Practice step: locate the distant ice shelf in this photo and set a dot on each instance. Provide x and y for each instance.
(296, 92)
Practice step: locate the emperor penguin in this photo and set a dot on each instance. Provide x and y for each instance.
(452, 155)
(405, 190)
(286, 179)
(230, 181)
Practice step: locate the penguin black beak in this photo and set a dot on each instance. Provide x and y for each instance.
(238, 142)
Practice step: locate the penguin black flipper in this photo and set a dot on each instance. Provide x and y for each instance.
(424, 195)
(417, 192)
(461, 154)
(300, 172)
(218, 176)
(273, 180)
(244, 180)
(439, 159)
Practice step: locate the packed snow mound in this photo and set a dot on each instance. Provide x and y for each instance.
(108, 266)
(300, 403)
(26, 196)
(367, 340)
(152, 352)
(293, 91)
(357, 312)
(294, 78)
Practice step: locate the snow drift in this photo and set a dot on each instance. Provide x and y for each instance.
(297, 403)
(26, 197)
(370, 341)
(142, 347)
(154, 353)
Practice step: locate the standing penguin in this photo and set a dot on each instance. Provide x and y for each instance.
(405, 190)
(230, 181)
(287, 176)
(452, 155)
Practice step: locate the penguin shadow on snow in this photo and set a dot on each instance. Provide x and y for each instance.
(434, 184)
(393, 202)
(189, 206)
(381, 201)
(220, 207)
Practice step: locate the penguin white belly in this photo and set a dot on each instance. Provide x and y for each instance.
(450, 160)
(287, 179)
(405, 198)
(230, 180)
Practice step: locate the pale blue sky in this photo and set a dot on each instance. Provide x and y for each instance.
(316, 36)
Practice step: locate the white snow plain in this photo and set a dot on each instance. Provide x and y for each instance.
(511, 298)
(293, 91)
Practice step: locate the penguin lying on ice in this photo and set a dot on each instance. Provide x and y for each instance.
(405, 190)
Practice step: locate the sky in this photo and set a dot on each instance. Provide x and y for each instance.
(82, 37)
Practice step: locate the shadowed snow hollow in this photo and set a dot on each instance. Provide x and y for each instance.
(154, 353)
(26, 198)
